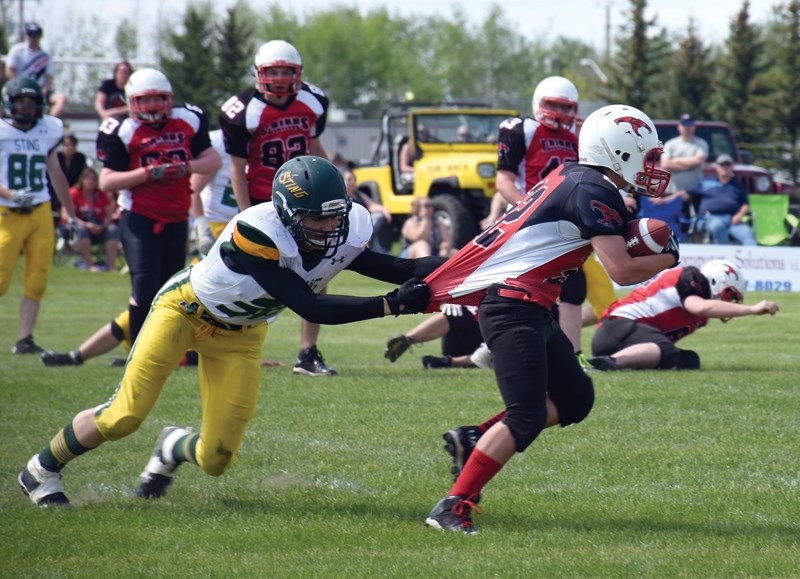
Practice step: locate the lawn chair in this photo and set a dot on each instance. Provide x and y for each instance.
(772, 222)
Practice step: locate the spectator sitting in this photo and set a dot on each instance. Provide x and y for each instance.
(409, 153)
(29, 60)
(94, 209)
(381, 217)
(423, 234)
(464, 134)
(110, 98)
(723, 204)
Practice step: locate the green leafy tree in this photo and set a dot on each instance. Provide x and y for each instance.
(691, 68)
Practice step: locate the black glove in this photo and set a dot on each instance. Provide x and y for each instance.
(414, 295)
(672, 248)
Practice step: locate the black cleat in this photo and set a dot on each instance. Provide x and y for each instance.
(41, 486)
(311, 363)
(436, 362)
(603, 363)
(459, 443)
(51, 358)
(454, 513)
(26, 346)
(160, 470)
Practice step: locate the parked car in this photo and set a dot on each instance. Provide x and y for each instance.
(457, 173)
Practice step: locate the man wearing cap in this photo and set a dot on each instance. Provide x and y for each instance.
(684, 156)
(29, 60)
(723, 205)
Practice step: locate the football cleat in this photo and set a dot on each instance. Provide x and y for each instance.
(42, 486)
(51, 358)
(603, 363)
(454, 513)
(26, 346)
(459, 443)
(430, 362)
(160, 470)
(311, 363)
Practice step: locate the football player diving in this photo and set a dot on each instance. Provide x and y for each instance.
(271, 256)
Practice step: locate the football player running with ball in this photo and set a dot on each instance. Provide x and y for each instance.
(28, 143)
(514, 272)
(272, 256)
(279, 119)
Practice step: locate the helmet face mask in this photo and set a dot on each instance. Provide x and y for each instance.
(624, 139)
(23, 101)
(149, 96)
(555, 103)
(311, 200)
(278, 69)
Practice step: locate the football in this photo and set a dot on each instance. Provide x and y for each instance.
(646, 236)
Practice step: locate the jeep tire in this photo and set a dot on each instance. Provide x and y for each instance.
(457, 217)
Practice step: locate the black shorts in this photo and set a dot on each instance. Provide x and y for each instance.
(614, 334)
(464, 336)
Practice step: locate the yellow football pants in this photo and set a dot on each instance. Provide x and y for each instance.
(229, 375)
(34, 235)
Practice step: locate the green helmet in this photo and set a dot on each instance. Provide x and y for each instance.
(312, 186)
(19, 87)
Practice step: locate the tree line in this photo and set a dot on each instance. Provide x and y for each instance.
(365, 61)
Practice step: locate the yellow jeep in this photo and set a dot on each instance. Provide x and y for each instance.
(455, 163)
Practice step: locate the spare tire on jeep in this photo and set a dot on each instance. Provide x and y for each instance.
(457, 217)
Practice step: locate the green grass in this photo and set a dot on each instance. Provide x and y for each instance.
(672, 475)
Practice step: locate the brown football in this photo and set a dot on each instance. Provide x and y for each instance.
(646, 236)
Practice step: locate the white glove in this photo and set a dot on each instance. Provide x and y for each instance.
(482, 357)
(22, 197)
(73, 231)
(203, 235)
(452, 310)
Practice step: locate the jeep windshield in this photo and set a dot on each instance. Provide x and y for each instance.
(458, 128)
(718, 138)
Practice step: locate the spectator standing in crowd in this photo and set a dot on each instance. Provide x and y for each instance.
(513, 272)
(72, 162)
(148, 158)
(281, 118)
(381, 217)
(272, 256)
(94, 211)
(641, 329)
(684, 156)
(26, 219)
(529, 150)
(722, 206)
(423, 234)
(110, 98)
(28, 59)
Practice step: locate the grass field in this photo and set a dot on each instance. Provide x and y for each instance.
(672, 475)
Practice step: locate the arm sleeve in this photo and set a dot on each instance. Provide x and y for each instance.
(291, 290)
(511, 145)
(393, 269)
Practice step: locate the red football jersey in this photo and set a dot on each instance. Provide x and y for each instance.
(531, 151)
(538, 243)
(124, 144)
(268, 136)
(659, 303)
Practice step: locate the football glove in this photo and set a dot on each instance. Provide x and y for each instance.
(673, 249)
(23, 198)
(72, 231)
(413, 295)
(452, 310)
(167, 171)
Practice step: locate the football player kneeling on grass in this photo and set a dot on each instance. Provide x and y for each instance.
(270, 257)
(640, 330)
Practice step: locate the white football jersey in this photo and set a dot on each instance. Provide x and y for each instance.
(237, 298)
(23, 156)
(219, 203)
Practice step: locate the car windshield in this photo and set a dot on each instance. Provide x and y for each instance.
(718, 139)
(460, 128)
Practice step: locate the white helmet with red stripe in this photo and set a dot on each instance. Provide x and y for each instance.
(555, 103)
(147, 82)
(726, 282)
(278, 53)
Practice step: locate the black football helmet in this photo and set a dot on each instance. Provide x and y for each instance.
(312, 186)
(17, 88)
